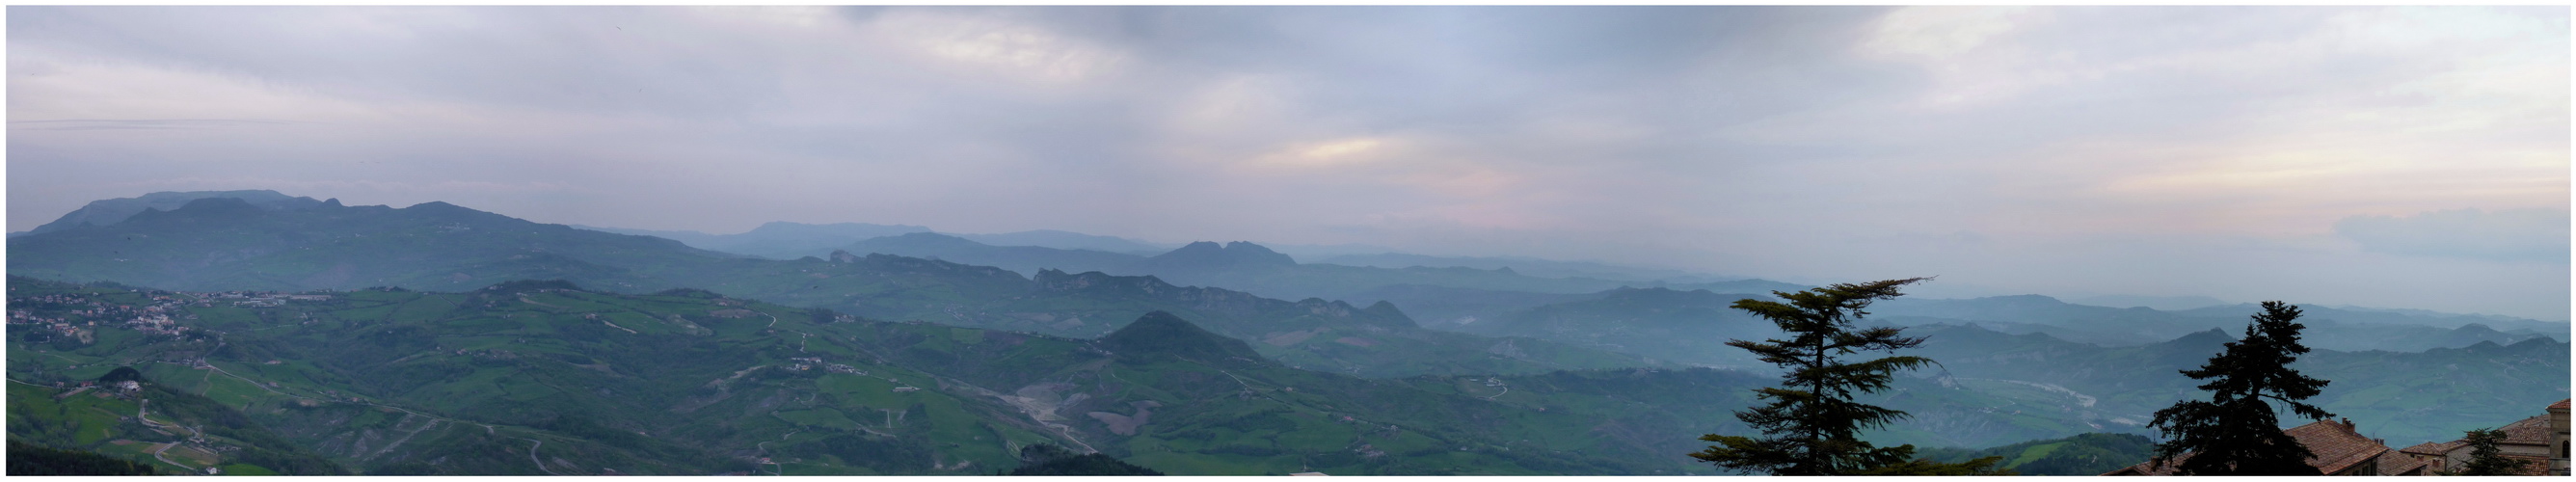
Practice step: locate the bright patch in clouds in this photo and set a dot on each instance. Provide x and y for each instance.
(2104, 149)
(1009, 47)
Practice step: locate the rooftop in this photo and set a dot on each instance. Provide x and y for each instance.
(2434, 448)
(2334, 446)
(2402, 465)
(2530, 431)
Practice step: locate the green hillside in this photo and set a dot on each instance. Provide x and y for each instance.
(545, 378)
(171, 431)
(2403, 397)
(2087, 454)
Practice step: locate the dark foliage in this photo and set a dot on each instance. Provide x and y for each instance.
(1812, 423)
(2485, 458)
(1159, 335)
(30, 459)
(525, 286)
(823, 316)
(1977, 466)
(1048, 459)
(121, 374)
(689, 292)
(2236, 432)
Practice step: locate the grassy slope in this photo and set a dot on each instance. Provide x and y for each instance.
(408, 382)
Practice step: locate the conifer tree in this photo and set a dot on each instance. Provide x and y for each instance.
(2236, 432)
(1812, 426)
(2485, 458)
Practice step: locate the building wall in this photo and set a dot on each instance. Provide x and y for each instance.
(2558, 457)
(2366, 467)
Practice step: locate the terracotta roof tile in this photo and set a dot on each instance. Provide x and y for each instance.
(2396, 465)
(2530, 431)
(2149, 468)
(2337, 446)
(2562, 403)
(2434, 448)
(2334, 445)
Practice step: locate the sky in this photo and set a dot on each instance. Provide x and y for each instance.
(2389, 157)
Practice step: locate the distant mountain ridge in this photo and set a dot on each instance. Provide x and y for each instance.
(2332, 328)
(111, 211)
(1022, 259)
(1207, 256)
(222, 243)
(791, 240)
(1522, 265)
(225, 244)
(1660, 323)
(1049, 238)
(1248, 266)
(2166, 303)
(778, 239)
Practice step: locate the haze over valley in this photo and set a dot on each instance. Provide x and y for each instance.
(1234, 240)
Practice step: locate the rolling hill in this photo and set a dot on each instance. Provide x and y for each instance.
(225, 244)
(546, 378)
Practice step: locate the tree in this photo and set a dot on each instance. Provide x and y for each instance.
(2236, 432)
(2485, 458)
(1812, 426)
(121, 374)
(1049, 459)
(1978, 466)
(31, 459)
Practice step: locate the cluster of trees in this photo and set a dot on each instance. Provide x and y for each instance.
(30, 459)
(1812, 424)
(1049, 459)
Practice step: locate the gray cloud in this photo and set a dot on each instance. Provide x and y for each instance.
(1787, 142)
(2535, 234)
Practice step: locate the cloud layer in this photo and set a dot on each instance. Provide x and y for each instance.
(2510, 235)
(1826, 142)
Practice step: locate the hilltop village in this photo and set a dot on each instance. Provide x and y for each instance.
(2539, 442)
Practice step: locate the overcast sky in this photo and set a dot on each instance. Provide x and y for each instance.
(2394, 157)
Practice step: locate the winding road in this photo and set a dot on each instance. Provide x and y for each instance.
(532, 456)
